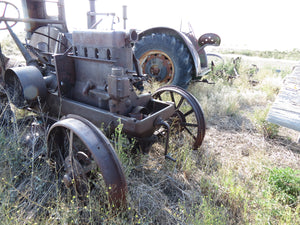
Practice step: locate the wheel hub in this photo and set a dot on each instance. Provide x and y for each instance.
(74, 174)
(158, 65)
(154, 70)
(177, 119)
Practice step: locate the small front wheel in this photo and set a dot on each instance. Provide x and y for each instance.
(187, 123)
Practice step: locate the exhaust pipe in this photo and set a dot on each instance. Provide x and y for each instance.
(124, 16)
(92, 14)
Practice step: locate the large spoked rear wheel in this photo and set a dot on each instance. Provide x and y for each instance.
(187, 124)
(165, 58)
(85, 161)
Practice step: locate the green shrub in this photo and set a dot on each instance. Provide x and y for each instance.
(123, 146)
(208, 212)
(226, 71)
(268, 129)
(285, 184)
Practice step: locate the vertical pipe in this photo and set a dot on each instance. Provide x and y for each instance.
(124, 15)
(62, 14)
(91, 14)
(26, 16)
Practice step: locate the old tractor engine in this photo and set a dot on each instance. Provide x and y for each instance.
(87, 82)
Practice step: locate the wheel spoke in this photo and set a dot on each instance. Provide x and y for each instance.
(189, 125)
(172, 98)
(189, 112)
(190, 132)
(71, 143)
(61, 158)
(180, 102)
(159, 97)
(4, 10)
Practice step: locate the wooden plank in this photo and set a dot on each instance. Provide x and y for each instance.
(285, 111)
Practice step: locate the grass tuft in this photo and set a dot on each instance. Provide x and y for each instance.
(285, 184)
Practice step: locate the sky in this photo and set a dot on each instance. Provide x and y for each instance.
(244, 24)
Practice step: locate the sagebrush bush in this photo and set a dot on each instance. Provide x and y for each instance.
(269, 130)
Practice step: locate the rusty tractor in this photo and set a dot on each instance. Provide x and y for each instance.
(174, 57)
(170, 56)
(85, 80)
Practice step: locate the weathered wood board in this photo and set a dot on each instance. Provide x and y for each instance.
(285, 111)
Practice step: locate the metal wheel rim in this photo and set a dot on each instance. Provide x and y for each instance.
(158, 57)
(96, 155)
(195, 110)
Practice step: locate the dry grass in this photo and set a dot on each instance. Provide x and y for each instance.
(224, 182)
(242, 154)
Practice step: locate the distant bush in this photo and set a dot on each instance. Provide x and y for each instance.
(276, 54)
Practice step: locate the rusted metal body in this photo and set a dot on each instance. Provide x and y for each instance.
(90, 74)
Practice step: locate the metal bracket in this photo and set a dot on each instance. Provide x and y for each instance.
(161, 122)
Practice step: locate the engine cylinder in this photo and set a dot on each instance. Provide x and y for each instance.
(118, 84)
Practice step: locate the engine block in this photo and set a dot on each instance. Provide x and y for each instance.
(102, 67)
